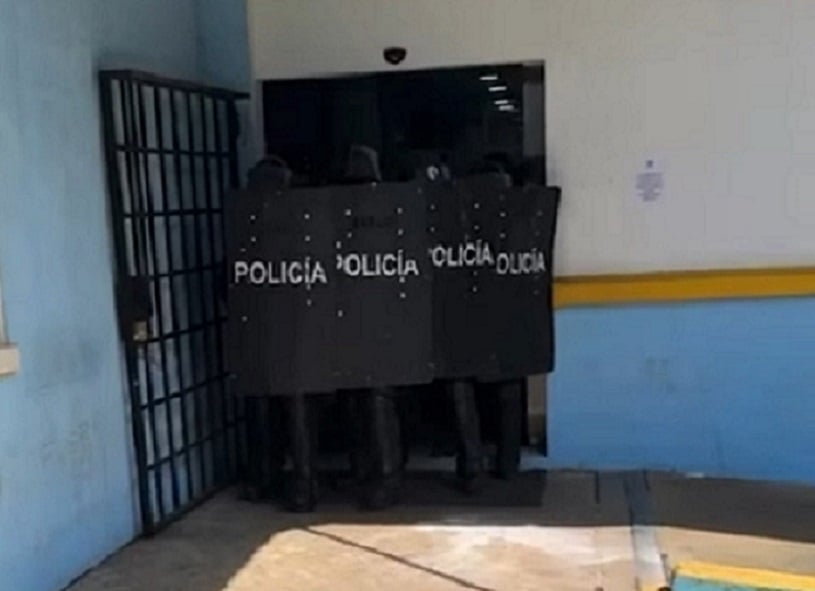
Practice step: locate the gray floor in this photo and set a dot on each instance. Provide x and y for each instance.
(588, 531)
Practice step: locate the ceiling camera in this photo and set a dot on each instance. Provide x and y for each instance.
(395, 55)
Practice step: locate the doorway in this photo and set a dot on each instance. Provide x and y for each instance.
(458, 121)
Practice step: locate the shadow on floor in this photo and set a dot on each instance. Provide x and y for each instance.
(777, 511)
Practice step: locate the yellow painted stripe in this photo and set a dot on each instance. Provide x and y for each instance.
(745, 577)
(679, 286)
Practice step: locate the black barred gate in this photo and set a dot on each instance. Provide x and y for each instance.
(171, 150)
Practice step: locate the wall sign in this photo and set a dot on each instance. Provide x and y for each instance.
(651, 181)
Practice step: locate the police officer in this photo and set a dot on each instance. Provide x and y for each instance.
(509, 393)
(277, 424)
(377, 455)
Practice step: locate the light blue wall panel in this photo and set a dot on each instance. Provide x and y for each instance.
(66, 497)
(723, 388)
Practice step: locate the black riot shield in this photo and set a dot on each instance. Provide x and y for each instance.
(280, 337)
(457, 253)
(520, 330)
(493, 280)
(384, 290)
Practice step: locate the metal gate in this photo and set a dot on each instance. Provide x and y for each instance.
(171, 150)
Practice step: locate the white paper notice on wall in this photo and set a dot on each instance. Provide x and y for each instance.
(651, 181)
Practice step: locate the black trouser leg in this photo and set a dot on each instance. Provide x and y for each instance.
(252, 485)
(302, 443)
(386, 434)
(276, 460)
(357, 433)
(384, 448)
(266, 447)
(469, 462)
(406, 419)
(444, 441)
(510, 400)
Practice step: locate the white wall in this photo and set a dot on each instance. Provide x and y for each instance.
(722, 92)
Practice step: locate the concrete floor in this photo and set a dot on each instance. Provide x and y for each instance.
(588, 532)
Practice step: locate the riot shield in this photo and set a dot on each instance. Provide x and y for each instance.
(493, 280)
(519, 291)
(461, 253)
(384, 286)
(282, 300)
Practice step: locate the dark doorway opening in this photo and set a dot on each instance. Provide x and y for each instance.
(465, 117)
(458, 121)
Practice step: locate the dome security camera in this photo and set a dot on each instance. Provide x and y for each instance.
(395, 55)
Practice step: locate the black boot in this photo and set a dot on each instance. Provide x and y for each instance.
(510, 400)
(384, 452)
(303, 485)
(469, 460)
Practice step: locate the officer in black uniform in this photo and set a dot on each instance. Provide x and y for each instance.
(277, 424)
(507, 395)
(264, 420)
(377, 455)
(465, 394)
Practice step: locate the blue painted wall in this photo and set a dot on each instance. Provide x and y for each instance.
(722, 388)
(223, 41)
(65, 484)
(223, 48)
